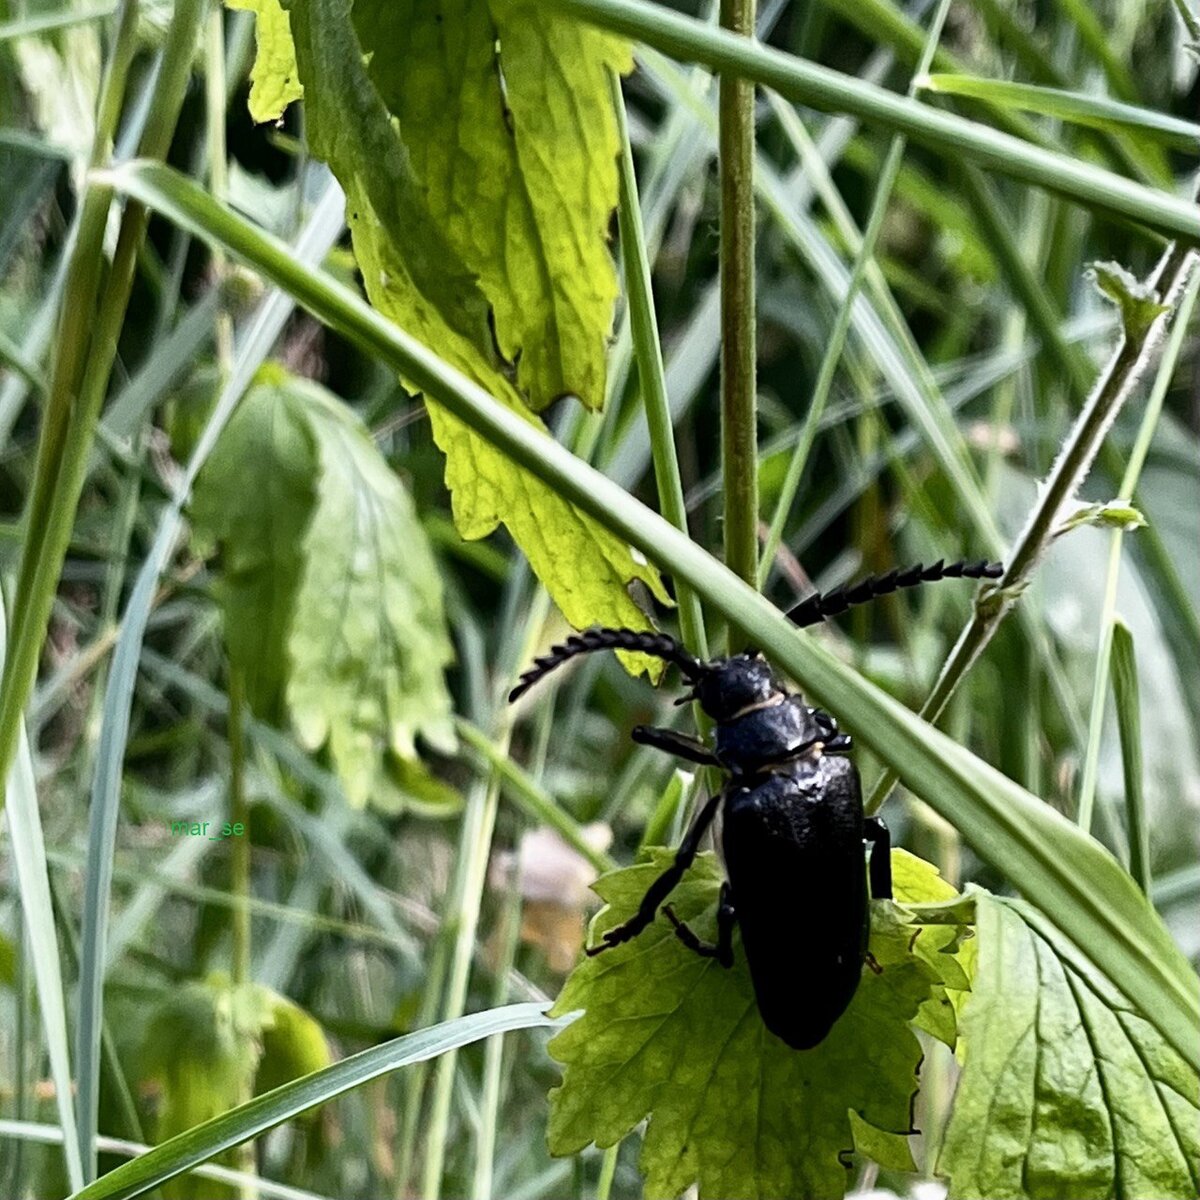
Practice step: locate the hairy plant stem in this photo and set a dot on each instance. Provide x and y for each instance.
(1113, 388)
(739, 395)
(841, 325)
(1108, 617)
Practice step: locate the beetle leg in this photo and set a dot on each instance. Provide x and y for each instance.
(665, 884)
(723, 950)
(876, 832)
(675, 743)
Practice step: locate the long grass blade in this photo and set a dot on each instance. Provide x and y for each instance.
(33, 887)
(320, 234)
(1067, 874)
(1096, 112)
(180, 1154)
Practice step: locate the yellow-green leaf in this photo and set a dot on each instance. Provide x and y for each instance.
(506, 112)
(274, 80)
(452, 260)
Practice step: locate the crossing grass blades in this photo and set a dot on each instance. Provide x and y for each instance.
(794, 832)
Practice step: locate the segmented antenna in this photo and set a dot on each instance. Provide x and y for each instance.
(817, 607)
(660, 645)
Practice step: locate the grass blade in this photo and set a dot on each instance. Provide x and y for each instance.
(957, 138)
(1096, 112)
(33, 888)
(1129, 725)
(179, 1155)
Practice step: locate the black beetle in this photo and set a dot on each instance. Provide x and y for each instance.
(794, 831)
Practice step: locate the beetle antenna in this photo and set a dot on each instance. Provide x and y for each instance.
(660, 645)
(819, 606)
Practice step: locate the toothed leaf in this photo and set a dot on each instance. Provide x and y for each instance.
(674, 1037)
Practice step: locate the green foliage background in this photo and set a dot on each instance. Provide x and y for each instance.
(291, 565)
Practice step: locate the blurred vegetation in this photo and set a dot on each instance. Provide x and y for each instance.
(319, 655)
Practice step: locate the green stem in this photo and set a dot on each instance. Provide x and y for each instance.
(240, 850)
(482, 804)
(648, 354)
(841, 325)
(1113, 388)
(608, 1169)
(739, 387)
(478, 827)
(50, 510)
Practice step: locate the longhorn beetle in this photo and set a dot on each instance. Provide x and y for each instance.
(793, 832)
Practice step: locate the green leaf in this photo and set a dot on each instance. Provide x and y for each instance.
(202, 1048)
(1066, 1089)
(427, 261)
(673, 1036)
(332, 599)
(260, 530)
(274, 80)
(1113, 514)
(293, 1044)
(506, 113)
(1138, 303)
(369, 642)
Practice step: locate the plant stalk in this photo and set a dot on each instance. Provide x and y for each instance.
(739, 385)
(50, 510)
(648, 353)
(1116, 383)
(1108, 617)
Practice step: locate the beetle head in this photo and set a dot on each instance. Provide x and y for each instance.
(729, 685)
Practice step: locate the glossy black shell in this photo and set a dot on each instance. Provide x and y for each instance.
(793, 847)
(766, 735)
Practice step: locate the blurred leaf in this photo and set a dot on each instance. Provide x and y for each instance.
(438, 273)
(369, 641)
(274, 80)
(293, 1044)
(1066, 1089)
(332, 598)
(255, 497)
(673, 1036)
(202, 1049)
(8, 962)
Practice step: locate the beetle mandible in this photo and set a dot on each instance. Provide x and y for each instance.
(794, 833)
